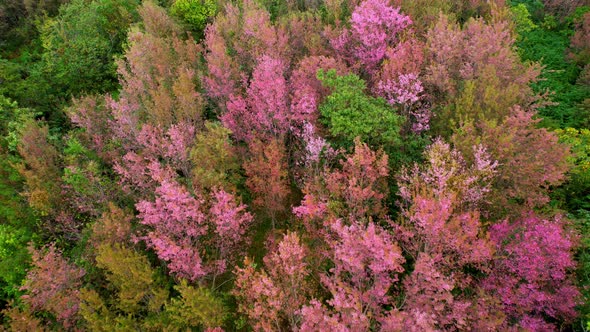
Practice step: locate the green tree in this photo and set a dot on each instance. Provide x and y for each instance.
(196, 306)
(349, 112)
(196, 13)
(130, 273)
(79, 45)
(522, 18)
(559, 76)
(214, 158)
(16, 219)
(135, 296)
(575, 193)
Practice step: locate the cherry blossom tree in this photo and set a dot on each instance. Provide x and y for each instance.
(530, 161)
(374, 26)
(272, 297)
(264, 110)
(53, 285)
(183, 229)
(531, 276)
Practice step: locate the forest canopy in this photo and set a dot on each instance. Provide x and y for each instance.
(294, 165)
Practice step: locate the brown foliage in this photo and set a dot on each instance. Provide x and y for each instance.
(267, 175)
(40, 168)
(160, 71)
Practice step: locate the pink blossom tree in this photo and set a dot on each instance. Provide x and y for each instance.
(264, 110)
(223, 71)
(52, 284)
(248, 31)
(374, 26)
(157, 157)
(442, 231)
(446, 173)
(366, 263)
(428, 292)
(177, 223)
(159, 71)
(341, 211)
(307, 91)
(147, 132)
(455, 55)
(91, 114)
(361, 185)
(194, 240)
(532, 273)
(272, 297)
(230, 223)
(530, 161)
(399, 82)
(354, 194)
